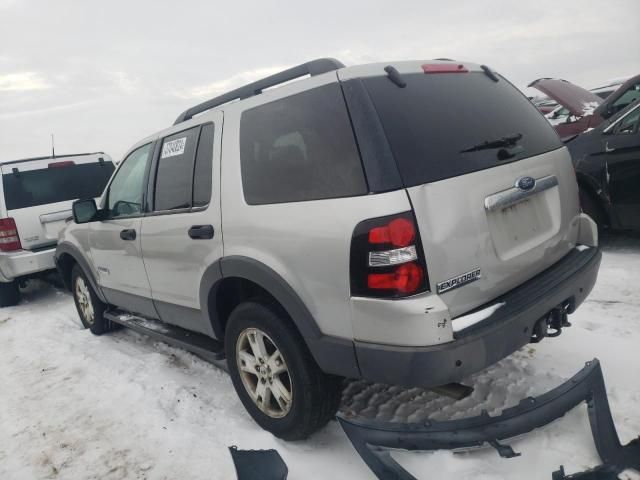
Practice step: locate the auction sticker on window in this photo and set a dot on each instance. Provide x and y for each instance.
(174, 147)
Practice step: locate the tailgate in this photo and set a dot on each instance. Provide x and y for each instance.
(481, 222)
(38, 194)
(461, 142)
(39, 226)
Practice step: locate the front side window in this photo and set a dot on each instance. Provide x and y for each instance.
(126, 190)
(300, 148)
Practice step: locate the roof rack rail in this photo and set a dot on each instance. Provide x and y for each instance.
(314, 67)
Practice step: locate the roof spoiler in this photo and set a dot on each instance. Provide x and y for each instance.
(312, 68)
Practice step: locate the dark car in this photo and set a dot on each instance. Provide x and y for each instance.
(607, 163)
(587, 109)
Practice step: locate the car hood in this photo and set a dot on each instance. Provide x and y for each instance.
(577, 100)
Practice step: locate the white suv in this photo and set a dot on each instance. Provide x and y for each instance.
(408, 223)
(35, 201)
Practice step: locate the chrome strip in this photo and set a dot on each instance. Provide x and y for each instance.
(614, 124)
(55, 216)
(507, 198)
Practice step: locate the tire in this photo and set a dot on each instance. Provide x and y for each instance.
(9, 294)
(591, 207)
(90, 308)
(314, 396)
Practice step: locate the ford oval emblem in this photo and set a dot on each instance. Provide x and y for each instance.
(525, 183)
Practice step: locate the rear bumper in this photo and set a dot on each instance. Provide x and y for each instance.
(21, 263)
(505, 331)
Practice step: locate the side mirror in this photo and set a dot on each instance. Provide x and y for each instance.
(84, 211)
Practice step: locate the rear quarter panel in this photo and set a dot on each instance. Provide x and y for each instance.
(306, 243)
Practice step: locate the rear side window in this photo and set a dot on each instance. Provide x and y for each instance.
(175, 170)
(435, 117)
(300, 148)
(56, 184)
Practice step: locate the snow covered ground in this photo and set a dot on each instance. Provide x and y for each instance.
(76, 406)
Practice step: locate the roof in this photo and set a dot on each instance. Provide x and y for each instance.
(50, 157)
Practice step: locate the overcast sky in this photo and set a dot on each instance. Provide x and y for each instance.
(101, 75)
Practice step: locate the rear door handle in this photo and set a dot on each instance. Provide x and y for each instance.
(128, 234)
(609, 149)
(201, 232)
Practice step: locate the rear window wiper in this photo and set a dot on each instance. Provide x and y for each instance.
(508, 141)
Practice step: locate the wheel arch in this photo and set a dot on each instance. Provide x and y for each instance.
(68, 255)
(236, 278)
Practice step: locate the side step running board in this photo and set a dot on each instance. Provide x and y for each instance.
(197, 343)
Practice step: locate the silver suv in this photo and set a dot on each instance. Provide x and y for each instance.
(36, 195)
(409, 223)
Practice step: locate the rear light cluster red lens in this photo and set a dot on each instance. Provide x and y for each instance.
(400, 232)
(387, 259)
(406, 279)
(9, 239)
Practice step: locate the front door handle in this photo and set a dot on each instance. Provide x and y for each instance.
(609, 149)
(201, 232)
(128, 234)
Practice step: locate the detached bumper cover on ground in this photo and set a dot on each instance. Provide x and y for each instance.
(373, 439)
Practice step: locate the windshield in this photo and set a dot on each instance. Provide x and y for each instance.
(435, 118)
(51, 185)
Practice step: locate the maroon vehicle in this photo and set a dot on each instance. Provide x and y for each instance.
(587, 109)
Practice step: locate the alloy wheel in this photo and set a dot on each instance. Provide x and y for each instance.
(264, 372)
(84, 300)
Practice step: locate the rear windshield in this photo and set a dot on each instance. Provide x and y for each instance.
(435, 117)
(51, 185)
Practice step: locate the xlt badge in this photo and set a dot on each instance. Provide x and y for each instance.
(459, 281)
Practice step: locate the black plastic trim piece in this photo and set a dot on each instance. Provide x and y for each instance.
(395, 76)
(529, 293)
(380, 168)
(259, 464)
(489, 73)
(372, 439)
(136, 304)
(181, 316)
(245, 267)
(314, 67)
(334, 355)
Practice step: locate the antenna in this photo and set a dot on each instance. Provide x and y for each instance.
(53, 148)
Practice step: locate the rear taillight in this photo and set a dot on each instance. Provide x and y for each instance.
(387, 259)
(9, 239)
